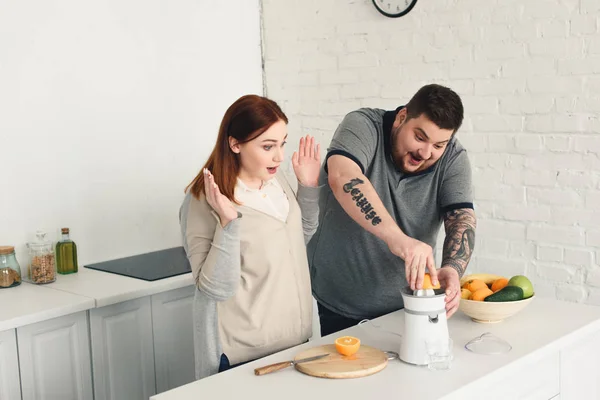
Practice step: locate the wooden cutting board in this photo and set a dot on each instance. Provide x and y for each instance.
(367, 361)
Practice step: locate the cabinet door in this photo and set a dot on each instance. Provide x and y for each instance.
(173, 326)
(538, 379)
(122, 351)
(10, 385)
(54, 359)
(580, 369)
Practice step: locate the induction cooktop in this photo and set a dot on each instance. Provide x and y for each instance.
(149, 266)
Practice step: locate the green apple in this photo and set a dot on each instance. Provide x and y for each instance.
(524, 283)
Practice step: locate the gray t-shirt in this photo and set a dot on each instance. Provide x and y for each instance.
(353, 272)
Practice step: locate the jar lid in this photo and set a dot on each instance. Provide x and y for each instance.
(41, 241)
(64, 231)
(4, 250)
(488, 343)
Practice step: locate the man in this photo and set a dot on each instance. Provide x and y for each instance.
(390, 179)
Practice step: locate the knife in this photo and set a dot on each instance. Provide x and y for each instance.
(277, 366)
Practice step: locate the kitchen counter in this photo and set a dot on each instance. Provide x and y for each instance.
(107, 288)
(126, 338)
(546, 339)
(87, 289)
(28, 304)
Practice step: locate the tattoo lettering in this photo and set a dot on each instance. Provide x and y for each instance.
(460, 239)
(353, 182)
(361, 201)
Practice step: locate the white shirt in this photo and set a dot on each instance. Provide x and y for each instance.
(269, 199)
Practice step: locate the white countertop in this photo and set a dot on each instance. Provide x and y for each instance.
(27, 304)
(542, 328)
(107, 288)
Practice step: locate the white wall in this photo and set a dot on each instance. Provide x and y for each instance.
(109, 108)
(529, 75)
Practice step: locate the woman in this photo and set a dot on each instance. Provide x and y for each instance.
(244, 232)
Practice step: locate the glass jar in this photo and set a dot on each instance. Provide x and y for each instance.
(42, 268)
(10, 271)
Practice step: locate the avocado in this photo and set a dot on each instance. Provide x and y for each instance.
(508, 293)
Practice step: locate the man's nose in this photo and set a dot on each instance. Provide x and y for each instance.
(425, 152)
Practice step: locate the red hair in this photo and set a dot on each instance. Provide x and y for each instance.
(246, 119)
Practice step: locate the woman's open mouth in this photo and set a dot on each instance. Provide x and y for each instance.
(272, 170)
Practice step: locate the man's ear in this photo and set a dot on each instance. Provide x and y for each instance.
(234, 145)
(400, 118)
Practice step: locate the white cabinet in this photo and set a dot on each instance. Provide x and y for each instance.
(536, 380)
(173, 338)
(54, 358)
(123, 351)
(10, 386)
(143, 346)
(580, 369)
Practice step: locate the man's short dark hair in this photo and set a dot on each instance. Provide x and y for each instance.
(440, 104)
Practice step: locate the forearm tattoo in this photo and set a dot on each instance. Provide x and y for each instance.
(361, 201)
(460, 239)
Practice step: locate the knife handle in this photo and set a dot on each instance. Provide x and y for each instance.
(272, 368)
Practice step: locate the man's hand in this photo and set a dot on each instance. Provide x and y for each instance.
(450, 281)
(417, 257)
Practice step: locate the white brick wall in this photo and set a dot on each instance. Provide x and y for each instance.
(529, 76)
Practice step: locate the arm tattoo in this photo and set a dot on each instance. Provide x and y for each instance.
(460, 239)
(361, 201)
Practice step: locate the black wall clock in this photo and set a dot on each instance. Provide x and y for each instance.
(394, 8)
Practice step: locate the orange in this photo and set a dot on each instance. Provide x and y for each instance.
(347, 345)
(474, 285)
(498, 284)
(427, 283)
(481, 294)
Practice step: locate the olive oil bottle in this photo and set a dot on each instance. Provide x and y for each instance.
(66, 254)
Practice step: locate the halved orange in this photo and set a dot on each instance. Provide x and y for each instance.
(347, 345)
(427, 282)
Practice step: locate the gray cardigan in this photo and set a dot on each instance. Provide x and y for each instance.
(221, 270)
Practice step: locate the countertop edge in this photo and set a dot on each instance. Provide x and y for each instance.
(142, 292)
(46, 315)
(88, 302)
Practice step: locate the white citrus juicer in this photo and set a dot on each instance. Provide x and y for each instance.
(424, 321)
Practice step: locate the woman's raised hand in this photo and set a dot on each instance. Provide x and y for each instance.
(307, 161)
(221, 204)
